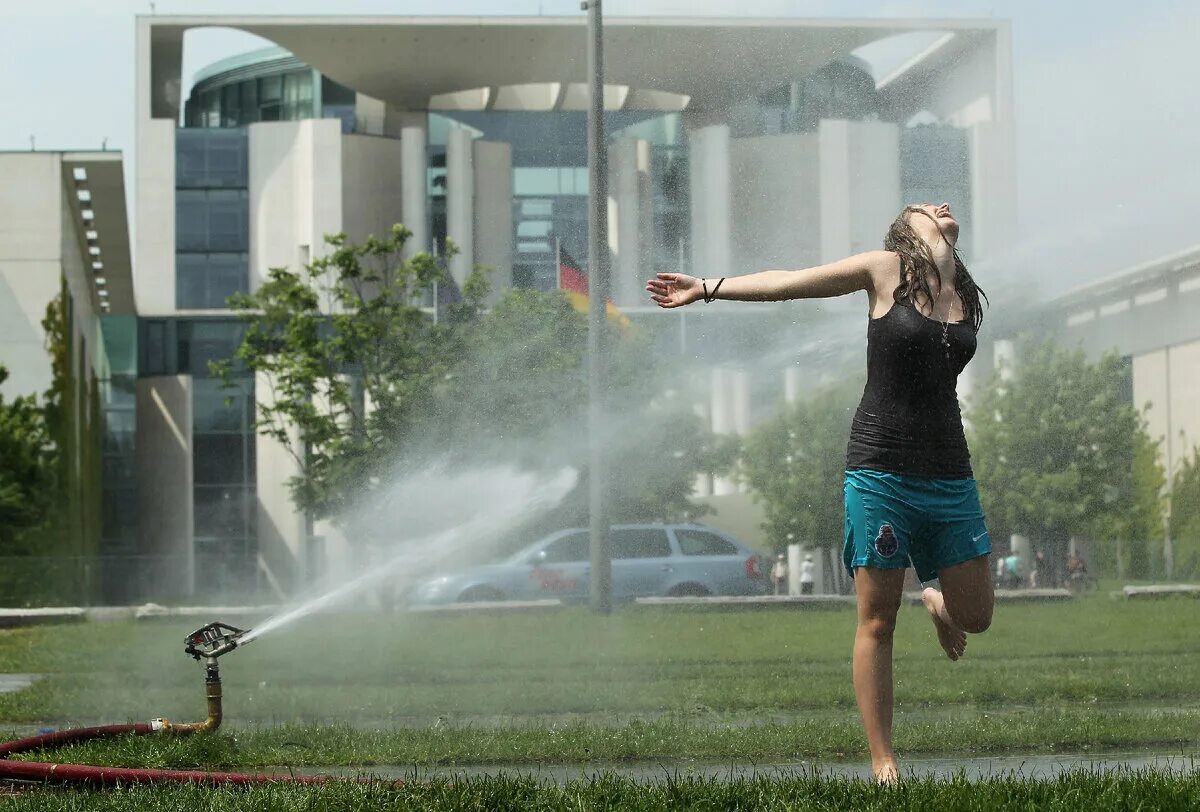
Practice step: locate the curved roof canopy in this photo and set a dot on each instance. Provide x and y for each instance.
(407, 60)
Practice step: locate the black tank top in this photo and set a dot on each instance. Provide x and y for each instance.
(908, 421)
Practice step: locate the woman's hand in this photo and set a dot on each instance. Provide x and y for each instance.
(674, 289)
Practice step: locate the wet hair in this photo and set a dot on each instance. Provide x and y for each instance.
(917, 268)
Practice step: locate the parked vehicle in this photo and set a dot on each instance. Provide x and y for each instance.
(647, 560)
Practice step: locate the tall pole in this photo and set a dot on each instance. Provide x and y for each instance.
(600, 582)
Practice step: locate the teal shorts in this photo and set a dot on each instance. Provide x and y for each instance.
(893, 520)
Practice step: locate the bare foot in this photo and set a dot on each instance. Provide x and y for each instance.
(952, 638)
(886, 772)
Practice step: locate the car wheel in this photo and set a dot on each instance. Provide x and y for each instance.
(688, 591)
(478, 594)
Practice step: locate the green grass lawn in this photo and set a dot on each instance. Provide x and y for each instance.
(644, 683)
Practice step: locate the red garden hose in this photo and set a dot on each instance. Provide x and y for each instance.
(209, 642)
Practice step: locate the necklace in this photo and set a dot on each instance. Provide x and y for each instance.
(946, 336)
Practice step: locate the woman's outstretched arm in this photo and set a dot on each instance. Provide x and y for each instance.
(848, 275)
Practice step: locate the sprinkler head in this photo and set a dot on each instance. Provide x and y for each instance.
(213, 640)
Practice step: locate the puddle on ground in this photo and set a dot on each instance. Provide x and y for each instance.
(11, 683)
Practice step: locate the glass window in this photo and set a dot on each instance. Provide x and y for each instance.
(217, 408)
(206, 281)
(227, 159)
(698, 542)
(297, 95)
(227, 274)
(118, 510)
(217, 459)
(333, 93)
(220, 512)
(574, 547)
(156, 348)
(212, 109)
(204, 341)
(249, 101)
(191, 220)
(231, 108)
(211, 159)
(120, 425)
(228, 220)
(270, 89)
(643, 542)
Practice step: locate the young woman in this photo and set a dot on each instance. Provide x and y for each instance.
(910, 494)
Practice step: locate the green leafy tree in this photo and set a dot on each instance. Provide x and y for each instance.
(1185, 518)
(345, 331)
(511, 381)
(1059, 451)
(795, 462)
(523, 381)
(28, 469)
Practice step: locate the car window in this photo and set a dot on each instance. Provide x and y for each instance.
(698, 542)
(568, 548)
(646, 542)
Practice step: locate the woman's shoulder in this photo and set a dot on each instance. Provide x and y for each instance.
(885, 272)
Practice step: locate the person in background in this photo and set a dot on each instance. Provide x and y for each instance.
(1039, 568)
(1076, 570)
(779, 575)
(1012, 570)
(808, 578)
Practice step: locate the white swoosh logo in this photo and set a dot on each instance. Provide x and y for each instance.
(977, 538)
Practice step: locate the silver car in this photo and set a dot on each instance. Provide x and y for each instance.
(647, 560)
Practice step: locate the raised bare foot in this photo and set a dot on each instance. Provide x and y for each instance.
(886, 772)
(952, 639)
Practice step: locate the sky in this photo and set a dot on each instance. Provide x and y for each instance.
(1105, 94)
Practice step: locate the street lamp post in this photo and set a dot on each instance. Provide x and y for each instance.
(600, 582)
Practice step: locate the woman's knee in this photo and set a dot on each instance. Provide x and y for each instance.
(971, 619)
(879, 623)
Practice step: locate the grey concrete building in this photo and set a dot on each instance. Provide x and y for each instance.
(734, 144)
(63, 231)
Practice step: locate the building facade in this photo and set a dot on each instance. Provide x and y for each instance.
(733, 145)
(64, 239)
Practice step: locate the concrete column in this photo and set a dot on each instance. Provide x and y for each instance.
(282, 536)
(154, 248)
(460, 201)
(775, 206)
(630, 207)
(494, 213)
(794, 558)
(791, 384)
(724, 420)
(740, 395)
(993, 191)
(710, 194)
(704, 481)
(1004, 358)
(164, 472)
(413, 188)
(859, 185)
(741, 401)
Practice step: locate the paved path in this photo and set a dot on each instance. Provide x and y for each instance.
(1027, 766)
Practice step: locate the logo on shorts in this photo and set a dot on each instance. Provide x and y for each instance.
(886, 543)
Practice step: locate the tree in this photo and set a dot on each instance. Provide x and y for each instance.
(358, 379)
(795, 462)
(1185, 518)
(346, 331)
(520, 388)
(28, 469)
(1059, 451)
